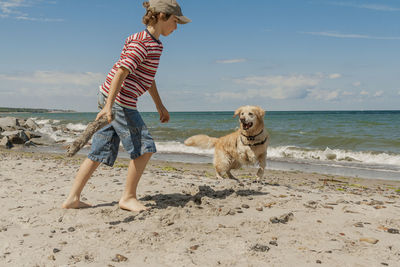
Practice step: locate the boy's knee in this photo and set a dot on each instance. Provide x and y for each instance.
(146, 155)
(149, 154)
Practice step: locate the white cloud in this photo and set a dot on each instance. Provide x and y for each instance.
(228, 95)
(54, 77)
(346, 93)
(326, 95)
(350, 35)
(8, 8)
(375, 7)
(51, 89)
(281, 80)
(280, 86)
(231, 61)
(370, 94)
(357, 84)
(38, 19)
(295, 86)
(379, 7)
(13, 9)
(335, 76)
(50, 83)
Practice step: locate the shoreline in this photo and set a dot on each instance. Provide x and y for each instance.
(244, 172)
(279, 164)
(289, 218)
(58, 131)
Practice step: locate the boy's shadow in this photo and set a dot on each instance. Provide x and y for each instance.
(163, 201)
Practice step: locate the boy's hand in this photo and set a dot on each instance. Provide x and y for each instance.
(164, 115)
(105, 112)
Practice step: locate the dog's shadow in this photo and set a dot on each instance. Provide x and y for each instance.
(163, 201)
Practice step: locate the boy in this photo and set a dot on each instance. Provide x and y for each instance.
(131, 76)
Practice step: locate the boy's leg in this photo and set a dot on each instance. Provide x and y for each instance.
(85, 172)
(136, 167)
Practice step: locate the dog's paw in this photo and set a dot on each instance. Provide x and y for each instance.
(219, 176)
(230, 176)
(260, 173)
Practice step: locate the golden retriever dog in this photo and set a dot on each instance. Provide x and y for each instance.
(247, 145)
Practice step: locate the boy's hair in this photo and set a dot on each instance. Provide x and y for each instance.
(151, 17)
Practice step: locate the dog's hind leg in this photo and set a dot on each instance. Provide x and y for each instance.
(221, 164)
(262, 164)
(220, 173)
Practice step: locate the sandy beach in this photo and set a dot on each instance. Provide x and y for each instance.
(290, 218)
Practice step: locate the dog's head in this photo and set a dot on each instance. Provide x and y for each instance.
(250, 117)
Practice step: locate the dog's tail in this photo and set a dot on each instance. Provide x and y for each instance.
(201, 141)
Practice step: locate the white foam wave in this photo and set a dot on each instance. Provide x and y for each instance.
(78, 127)
(282, 152)
(51, 129)
(336, 155)
(45, 121)
(56, 134)
(42, 122)
(177, 147)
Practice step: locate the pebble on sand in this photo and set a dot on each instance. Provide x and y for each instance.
(260, 248)
(369, 240)
(283, 218)
(119, 258)
(393, 231)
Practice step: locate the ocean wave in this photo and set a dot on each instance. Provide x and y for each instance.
(56, 134)
(61, 132)
(177, 147)
(41, 122)
(78, 127)
(335, 155)
(46, 121)
(297, 153)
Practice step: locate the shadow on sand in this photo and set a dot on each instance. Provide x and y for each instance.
(163, 201)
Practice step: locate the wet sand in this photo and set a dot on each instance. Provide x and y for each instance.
(289, 218)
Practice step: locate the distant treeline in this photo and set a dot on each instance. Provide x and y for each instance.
(32, 110)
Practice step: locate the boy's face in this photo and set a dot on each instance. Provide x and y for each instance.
(168, 26)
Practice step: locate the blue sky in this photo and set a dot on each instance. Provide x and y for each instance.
(280, 55)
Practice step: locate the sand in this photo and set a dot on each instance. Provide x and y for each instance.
(288, 219)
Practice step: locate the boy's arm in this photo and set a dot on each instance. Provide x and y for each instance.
(115, 86)
(164, 115)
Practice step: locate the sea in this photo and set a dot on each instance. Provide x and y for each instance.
(363, 144)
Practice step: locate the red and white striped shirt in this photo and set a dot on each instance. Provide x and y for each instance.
(140, 55)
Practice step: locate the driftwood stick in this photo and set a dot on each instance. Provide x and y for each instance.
(81, 141)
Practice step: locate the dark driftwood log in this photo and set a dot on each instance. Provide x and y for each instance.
(86, 135)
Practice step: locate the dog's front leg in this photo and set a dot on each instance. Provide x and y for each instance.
(219, 174)
(230, 175)
(262, 164)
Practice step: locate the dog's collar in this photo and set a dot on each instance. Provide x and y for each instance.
(256, 144)
(253, 137)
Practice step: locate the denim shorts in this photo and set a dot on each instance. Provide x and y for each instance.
(128, 128)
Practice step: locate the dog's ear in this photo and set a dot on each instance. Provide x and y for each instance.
(260, 112)
(237, 112)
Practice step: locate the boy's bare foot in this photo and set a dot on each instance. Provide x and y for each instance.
(132, 204)
(75, 204)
